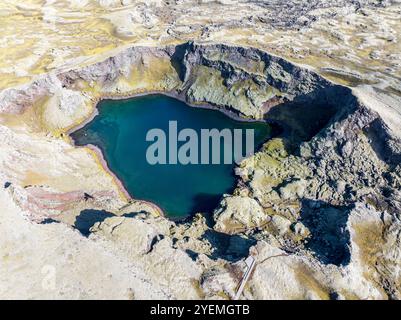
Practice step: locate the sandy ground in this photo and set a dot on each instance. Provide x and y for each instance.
(68, 266)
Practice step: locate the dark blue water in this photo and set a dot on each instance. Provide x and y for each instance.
(180, 190)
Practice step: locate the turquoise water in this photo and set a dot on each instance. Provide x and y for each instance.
(180, 190)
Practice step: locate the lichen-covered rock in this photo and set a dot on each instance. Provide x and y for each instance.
(137, 236)
(375, 251)
(236, 214)
(282, 225)
(146, 242)
(279, 275)
(321, 201)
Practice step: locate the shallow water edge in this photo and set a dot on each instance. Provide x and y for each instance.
(99, 153)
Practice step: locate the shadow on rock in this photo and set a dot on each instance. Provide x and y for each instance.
(383, 144)
(49, 221)
(87, 218)
(309, 114)
(229, 247)
(177, 60)
(329, 238)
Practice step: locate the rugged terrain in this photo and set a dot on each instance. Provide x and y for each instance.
(318, 206)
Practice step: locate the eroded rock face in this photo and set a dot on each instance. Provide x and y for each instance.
(147, 241)
(236, 214)
(370, 230)
(317, 206)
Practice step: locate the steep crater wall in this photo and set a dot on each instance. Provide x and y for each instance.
(243, 81)
(335, 156)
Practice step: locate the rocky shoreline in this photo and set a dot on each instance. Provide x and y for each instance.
(318, 206)
(99, 153)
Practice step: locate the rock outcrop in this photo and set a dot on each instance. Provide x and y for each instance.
(317, 206)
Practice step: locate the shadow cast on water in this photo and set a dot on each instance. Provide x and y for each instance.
(302, 119)
(87, 218)
(205, 202)
(329, 238)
